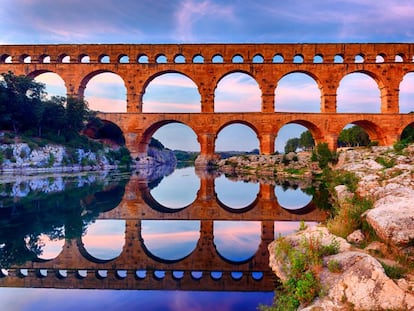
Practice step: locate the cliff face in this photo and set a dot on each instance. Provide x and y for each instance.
(157, 157)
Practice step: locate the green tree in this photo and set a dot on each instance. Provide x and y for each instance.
(323, 155)
(353, 136)
(77, 113)
(291, 145)
(306, 141)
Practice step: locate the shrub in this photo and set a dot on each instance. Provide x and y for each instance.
(393, 272)
(334, 266)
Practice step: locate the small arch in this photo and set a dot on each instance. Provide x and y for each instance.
(25, 59)
(318, 59)
(237, 59)
(104, 59)
(63, 58)
(216, 275)
(179, 59)
(278, 58)
(380, 58)
(217, 59)
(258, 58)
(161, 59)
(84, 58)
(359, 58)
(406, 93)
(198, 59)
(123, 59)
(338, 58)
(44, 59)
(142, 59)
(298, 59)
(196, 275)
(399, 58)
(6, 59)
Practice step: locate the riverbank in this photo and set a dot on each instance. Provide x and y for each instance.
(372, 234)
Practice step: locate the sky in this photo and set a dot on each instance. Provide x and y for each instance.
(214, 21)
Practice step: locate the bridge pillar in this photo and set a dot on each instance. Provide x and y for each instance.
(267, 144)
(207, 156)
(390, 99)
(134, 102)
(328, 103)
(268, 102)
(332, 141)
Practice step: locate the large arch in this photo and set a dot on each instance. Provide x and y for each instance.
(406, 94)
(374, 131)
(171, 91)
(54, 83)
(104, 91)
(360, 92)
(298, 91)
(247, 98)
(231, 133)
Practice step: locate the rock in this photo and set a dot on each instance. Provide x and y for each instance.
(362, 284)
(356, 237)
(343, 194)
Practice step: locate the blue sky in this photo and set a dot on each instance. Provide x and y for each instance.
(192, 21)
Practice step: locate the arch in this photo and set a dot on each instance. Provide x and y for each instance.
(228, 137)
(359, 92)
(104, 90)
(142, 59)
(278, 58)
(400, 58)
(49, 248)
(25, 59)
(161, 59)
(198, 59)
(104, 59)
(407, 133)
(44, 58)
(179, 59)
(318, 59)
(380, 58)
(123, 59)
(237, 59)
(359, 58)
(104, 130)
(258, 58)
(63, 58)
(104, 240)
(217, 59)
(237, 91)
(374, 131)
(292, 199)
(294, 129)
(406, 94)
(6, 59)
(288, 98)
(54, 84)
(353, 136)
(338, 58)
(237, 241)
(170, 240)
(298, 59)
(84, 58)
(171, 91)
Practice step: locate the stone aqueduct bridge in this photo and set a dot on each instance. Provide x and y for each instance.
(197, 62)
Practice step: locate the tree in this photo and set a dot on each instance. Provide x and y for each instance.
(353, 136)
(77, 113)
(306, 140)
(291, 145)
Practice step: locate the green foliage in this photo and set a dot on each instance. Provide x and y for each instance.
(155, 143)
(291, 145)
(387, 163)
(323, 155)
(334, 266)
(51, 160)
(353, 136)
(306, 140)
(394, 272)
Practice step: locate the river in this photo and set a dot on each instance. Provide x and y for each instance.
(114, 240)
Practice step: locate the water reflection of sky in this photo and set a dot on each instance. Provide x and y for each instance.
(50, 248)
(178, 189)
(237, 240)
(170, 239)
(110, 300)
(235, 194)
(283, 228)
(292, 198)
(105, 238)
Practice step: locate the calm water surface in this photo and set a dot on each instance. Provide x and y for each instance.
(133, 241)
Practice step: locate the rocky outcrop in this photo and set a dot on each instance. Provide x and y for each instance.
(157, 157)
(361, 283)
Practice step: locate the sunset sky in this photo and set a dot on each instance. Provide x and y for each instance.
(214, 21)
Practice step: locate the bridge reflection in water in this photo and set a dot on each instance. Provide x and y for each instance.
(136, 267)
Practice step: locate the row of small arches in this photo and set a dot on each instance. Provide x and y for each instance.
(179, 58)
(137, 274)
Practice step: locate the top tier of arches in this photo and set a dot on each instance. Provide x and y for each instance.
(209, 53)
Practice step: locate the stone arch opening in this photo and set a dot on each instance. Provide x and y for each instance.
(237, 92)
(84, 58)
(171, 92)
(104, 240)
(179, 59)
(170, 240)
(297, 135)
(198, 59)
(54, 84)
(406, 94)
(217, 59)
(106, 131)
(237, 137)
(104, 59)
(258, 58)
(298, 92)
(237, 59)
(278, 58)
(44, 59)
(63, 58)
(353, 135)
(104, 91)
(6, 59)
(359, 92)
(407, 134)
(123, 59)
(237, 241)
(292, 198)
(375, 133)
(25, 59)
(50, 247)
(142, 59)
